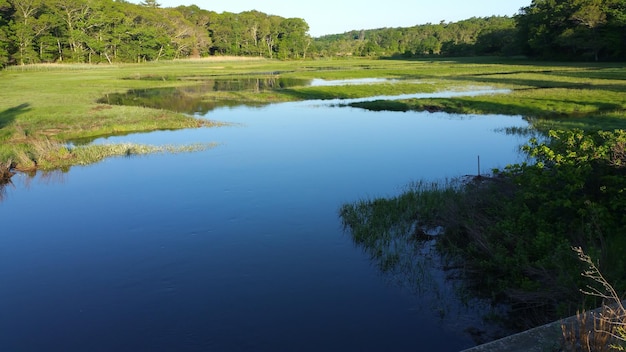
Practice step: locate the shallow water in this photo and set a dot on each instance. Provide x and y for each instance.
(237, 248)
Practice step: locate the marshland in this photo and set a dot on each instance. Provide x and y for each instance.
(173, 178)
(261, 204)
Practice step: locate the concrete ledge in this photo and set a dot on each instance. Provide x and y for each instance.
(540, 339)
(546, 338)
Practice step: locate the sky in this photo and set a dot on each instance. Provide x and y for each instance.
(339, 16)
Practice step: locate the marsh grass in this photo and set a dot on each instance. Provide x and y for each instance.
(603, 329)
(588, 97)
(60, 102)
(587, 333)
(46, 154)
(479, 223)
(65, 156)
(395, 231)
(359, 91)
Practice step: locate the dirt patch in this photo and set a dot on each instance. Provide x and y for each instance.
(433, 108)
(101, 107)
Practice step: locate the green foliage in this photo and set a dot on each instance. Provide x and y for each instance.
(108, 31)
(64, 157)
(571, 194)
(576, 29)
(475, 36)
(513, 232)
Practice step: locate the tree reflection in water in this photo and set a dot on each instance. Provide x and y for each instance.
(26, 179)
(192, 100)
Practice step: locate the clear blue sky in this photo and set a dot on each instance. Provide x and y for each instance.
(339, 16)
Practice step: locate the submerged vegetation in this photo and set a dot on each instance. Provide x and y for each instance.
(510, 233)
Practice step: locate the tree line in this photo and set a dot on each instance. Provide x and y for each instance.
(548, 29)
(94, 31)
(475, 36)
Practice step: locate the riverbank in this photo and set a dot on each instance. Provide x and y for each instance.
(6, 172)
(59, 103)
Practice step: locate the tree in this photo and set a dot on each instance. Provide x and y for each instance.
(26, 27)
(293, 40)
(5, 16)
(573, 28)
(150, 3)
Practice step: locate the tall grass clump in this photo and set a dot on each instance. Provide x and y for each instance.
(46, 154)
(378, 221)
(65, 156)
(603, 329)
(510, 233)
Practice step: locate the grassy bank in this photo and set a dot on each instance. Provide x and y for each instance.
(60, 101)
(588, 97)
(52, 104)
(512, 231)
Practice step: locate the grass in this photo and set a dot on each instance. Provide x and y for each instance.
(64, 156)
(589, 97)
(60, 102)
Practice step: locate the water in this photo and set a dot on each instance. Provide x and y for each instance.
(237, 248)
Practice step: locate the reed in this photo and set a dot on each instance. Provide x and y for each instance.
(601, 330)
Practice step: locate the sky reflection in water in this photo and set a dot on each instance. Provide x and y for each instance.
(236, 248)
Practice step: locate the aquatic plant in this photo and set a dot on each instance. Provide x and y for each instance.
(65, 156)
(46, 154)
(510, 233)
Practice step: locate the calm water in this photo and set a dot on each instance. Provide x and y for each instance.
(237, 248)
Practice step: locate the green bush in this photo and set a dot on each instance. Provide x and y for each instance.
(512, 232)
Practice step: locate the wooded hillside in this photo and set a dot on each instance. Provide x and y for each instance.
(94, 31)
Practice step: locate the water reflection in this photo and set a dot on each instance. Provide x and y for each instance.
(191, 100)
(237, 248)
(346, 82)
(26, 180)
(404, 249)
(6, 173)
(3, 185)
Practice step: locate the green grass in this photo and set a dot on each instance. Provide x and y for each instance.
(589, 97)
(59, 102)
(65, 157)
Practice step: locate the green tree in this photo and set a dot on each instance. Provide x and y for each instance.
(26, 27)
(150, 3)
(573, 28)
(201, 19)
(5, 44)
(293, 40)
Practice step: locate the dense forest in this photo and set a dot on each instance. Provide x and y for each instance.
(101, 31)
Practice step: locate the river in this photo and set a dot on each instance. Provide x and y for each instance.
(238, 247)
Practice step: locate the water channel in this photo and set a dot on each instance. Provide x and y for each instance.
(235, 248)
